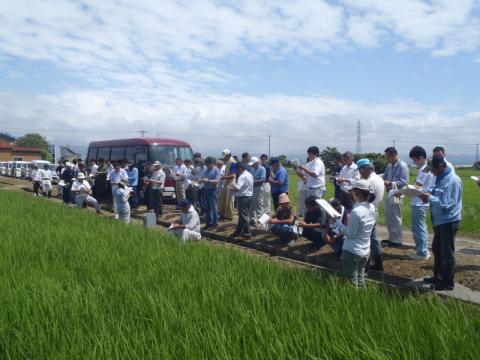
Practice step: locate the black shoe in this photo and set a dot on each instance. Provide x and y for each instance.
(442, 287)
(247, 236)
(429, 280)
(235, 234)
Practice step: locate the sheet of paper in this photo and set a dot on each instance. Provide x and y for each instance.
(263, 221)
(411, 191)
(170, 227)
(328, 208)
(297, 229)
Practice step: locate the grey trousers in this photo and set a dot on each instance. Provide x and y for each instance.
(266, 198)
(393, 217)
(354, 268)
(256, 206)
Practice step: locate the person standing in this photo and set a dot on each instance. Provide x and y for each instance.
(445, 199)
(210, 181)
(315, 172)
(279, 180)
(440, 151)
(157, 186)
(243, 191)
(59, 171)
(188, 228)
(226, 200)
(347, 176)
(425, 180)
(395, 177)
(302, 191)
(67, 177)
(36, 179)
(356, 245)
(101, 180)
(377, 187)
(116, 176)
(258, 172)
(46, 178)
(132, 173)
(267, 192)
(181, 173)
(82, 190)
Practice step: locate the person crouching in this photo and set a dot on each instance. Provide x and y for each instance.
(283, 219)
(356, 246)
(121, 195)
(82, 190)
(189, 226)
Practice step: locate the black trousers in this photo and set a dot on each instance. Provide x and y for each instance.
(36, 187)
(443, 248)
(156, 201)
(66, 194)
(243, 206)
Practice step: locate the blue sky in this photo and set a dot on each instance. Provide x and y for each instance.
(227, 74)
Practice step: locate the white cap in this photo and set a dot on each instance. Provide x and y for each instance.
(253, 160)
(81, 176)
(69, 164)
(226, 152)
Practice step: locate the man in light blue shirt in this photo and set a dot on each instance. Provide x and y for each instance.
(445, 200)
(395, 177)
(210, 178)
(259, 174)
(132, 172)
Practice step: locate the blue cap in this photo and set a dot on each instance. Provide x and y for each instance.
(364, 162)
(274, 161)
(184, 203)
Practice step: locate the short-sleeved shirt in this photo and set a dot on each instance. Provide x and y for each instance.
(211, 174)
(259, 174)
(427, 180)
(318, 216)
(158, 175)
(317, 181)
(281, 175)
(285, 214)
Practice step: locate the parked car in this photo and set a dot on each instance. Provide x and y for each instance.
(18, 166)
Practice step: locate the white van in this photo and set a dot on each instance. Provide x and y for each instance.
(30, 166)
(18, 168)
(3, 167)
(9, 169)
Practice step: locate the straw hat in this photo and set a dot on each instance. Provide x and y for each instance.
(283, 198)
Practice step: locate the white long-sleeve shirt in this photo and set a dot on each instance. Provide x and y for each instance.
(359, 229)
(191, 220)
(378, 187)
(245, 184)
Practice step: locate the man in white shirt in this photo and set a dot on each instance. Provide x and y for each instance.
(377, 187)
(181, 172)
(115, 176)
(93, 167)
(36, 179)
(189, 226)
(157, 181)
(315, 172)
(243, 191)
(348, 174)
(46, 178)
(425, 180)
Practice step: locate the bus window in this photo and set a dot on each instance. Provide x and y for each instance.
(186, 153)
(92, 153)
(140, 154)
(118, 153)
(130, 153)
(104, 153)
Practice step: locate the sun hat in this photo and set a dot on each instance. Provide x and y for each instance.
(81, 176)
(157, 163)
(226, 152)
(283, 198)
(364, 162)
(253, 160)
(361, 184)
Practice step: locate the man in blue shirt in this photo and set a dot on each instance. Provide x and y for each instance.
(445, 200)
(210, 181)
(279, 180)
(132, 172)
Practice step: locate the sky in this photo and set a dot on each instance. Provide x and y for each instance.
(227, 74)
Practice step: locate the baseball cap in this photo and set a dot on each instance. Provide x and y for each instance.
(253, 160)
(364, 162)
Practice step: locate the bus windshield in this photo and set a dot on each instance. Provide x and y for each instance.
(167, 154)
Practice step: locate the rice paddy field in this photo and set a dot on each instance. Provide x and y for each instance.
(74, 285)
(470, 225)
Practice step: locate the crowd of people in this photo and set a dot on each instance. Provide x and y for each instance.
(208, 189)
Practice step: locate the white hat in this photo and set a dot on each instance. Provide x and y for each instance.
(157, 163)
(361, 184)
(226, 152)
(80, 176)
(253, 160)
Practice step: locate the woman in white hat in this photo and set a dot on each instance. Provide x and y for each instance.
(121, 195)
(356, 246)
(82, 189)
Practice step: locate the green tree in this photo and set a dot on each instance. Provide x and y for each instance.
(329, 157)
(377, 159)
(36, 140)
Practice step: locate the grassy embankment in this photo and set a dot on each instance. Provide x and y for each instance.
(77, 285)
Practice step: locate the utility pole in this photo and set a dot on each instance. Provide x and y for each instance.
(142, 132)
(394, 142)
(269, 145)
(358, 150)
(477, 153)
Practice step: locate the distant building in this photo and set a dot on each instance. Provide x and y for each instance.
(12, 152)
(62, 153)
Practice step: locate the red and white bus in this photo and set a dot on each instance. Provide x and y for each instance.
(141, 150)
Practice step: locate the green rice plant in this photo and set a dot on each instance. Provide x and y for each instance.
(74, 285)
